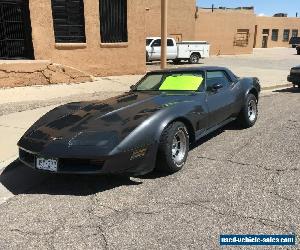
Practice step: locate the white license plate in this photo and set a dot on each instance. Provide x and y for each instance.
(47, 164)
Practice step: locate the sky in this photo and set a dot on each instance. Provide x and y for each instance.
(262, 7)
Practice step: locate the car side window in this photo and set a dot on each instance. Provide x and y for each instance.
(156, 43)
(170, 43)
(216, 77)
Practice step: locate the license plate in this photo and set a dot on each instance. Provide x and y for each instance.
(47, 164)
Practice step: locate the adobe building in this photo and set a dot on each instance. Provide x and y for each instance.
(181, 19)
(99, 37)
(275, 31)
(229, 31)
(53, 41)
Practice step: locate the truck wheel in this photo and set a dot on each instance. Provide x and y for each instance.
(194, 58)
(173, 148)
(176, 61)
(249, 113)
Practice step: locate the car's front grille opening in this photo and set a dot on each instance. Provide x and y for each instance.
(80, 165)
(26, 157)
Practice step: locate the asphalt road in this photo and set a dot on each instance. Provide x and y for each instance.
(235, 182)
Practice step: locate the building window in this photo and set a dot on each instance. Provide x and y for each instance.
(286, 35)
(113, 21)
(294, 33)
(68, 21)
(241, 38)
(275, 35)
(266, 31)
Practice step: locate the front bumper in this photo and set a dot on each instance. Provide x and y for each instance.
(294, 78)
(120, 164)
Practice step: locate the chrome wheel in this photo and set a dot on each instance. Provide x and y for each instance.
(179, 147)
(252, 111)
(194, 59)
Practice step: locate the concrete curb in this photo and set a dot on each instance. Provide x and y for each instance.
(279, 86)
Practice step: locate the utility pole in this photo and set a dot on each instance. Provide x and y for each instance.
(164, 33)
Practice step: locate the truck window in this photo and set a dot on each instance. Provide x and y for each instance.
(170, 43)
(156, 43)
(148, 41)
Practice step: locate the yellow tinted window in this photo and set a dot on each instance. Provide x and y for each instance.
(182, 82)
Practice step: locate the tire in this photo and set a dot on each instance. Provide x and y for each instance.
(172, 155)
(176, 61)
(194, 58)
(298, 52)
(249, 113)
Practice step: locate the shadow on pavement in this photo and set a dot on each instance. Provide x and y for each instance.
(287, 90)
(20, 179)
(230, 126)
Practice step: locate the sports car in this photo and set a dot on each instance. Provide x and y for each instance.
(149, 127)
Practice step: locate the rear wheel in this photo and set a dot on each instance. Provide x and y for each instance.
(298, 52)
(249, 113)
(194, 58)
(173, 148)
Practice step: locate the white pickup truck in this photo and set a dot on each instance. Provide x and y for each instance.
(190, 51)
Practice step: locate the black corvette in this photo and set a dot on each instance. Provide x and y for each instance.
(151, 126)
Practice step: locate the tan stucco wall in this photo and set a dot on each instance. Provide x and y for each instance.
(181, 18)
(16, 73)
(280, 23)
(219, 28)
(91, 57)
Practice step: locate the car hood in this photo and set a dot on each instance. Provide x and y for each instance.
(97, 123)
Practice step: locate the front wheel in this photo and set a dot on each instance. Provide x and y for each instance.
(173, 148)
(176, 61)
(249, 113)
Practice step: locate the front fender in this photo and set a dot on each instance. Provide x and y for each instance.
(149, 132)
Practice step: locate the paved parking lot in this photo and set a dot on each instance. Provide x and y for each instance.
(235, 181)
(271, 66)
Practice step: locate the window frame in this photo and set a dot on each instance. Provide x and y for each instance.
(170, 40)
(109, 34)
(284, 37)
(201, 89)
(295, 31)
(275, 38)
(230, 81)
(60, 39)
(156, 40)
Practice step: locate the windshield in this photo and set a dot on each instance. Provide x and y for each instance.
(179, 81)
(148, 41)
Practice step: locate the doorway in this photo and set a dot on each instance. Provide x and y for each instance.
(265, 42)
(15, 30)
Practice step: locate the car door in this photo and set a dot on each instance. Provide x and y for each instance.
(156, 49)
(171, 49)
(219, 97)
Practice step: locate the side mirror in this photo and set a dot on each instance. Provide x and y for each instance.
(217, 86)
